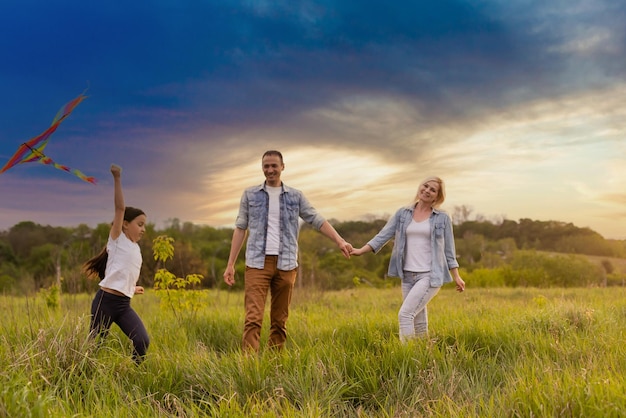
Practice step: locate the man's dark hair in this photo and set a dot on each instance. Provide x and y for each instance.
(273, 152)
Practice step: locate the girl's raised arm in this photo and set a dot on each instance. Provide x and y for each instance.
(118, 198)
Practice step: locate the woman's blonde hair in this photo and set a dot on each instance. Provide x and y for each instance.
(441, 196)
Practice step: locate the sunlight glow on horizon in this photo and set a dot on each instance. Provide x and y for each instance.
(559, 159)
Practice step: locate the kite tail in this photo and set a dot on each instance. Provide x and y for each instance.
(48, 161)
(82, 176)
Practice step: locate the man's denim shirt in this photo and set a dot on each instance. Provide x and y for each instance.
(442, 244)
(253, 214)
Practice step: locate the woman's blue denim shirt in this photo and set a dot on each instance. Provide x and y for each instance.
(253, 215)
(442, 244)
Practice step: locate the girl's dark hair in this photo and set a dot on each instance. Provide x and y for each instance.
(96, 266)
(131, 213)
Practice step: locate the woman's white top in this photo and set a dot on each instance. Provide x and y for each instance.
(418, 252)
(123, 265)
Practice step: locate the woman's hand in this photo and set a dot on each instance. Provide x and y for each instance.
(360, 251)
(139, 290)
(460, 284)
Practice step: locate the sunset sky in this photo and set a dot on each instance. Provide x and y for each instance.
(520, 106)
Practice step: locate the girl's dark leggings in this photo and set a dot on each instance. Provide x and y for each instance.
(106, 309)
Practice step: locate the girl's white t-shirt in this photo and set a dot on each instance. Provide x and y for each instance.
(418, 252)
(123, 265)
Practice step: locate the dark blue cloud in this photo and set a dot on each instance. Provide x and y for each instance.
(164, 64)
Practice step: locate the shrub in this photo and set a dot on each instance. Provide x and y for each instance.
(6, 283)
(532, 269)
(483, 277)
(176, 293)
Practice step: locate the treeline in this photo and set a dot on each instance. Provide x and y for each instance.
(538, 235)
(506, 253)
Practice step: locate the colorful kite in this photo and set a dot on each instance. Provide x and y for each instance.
(32, 150)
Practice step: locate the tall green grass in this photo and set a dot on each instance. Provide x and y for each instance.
(490, 352)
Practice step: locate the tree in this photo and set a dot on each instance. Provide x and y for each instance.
(461, 214)
(6, 254)
(41, 264)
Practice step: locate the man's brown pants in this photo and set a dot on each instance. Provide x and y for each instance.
(280, 284)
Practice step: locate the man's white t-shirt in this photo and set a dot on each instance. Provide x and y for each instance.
(272, 241)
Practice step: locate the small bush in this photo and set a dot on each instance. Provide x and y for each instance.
(52, 296)
(176, 293)
(483, 277)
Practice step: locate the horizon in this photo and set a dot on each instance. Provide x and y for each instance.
(367, 219)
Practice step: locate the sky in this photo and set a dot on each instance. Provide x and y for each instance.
(519, 105)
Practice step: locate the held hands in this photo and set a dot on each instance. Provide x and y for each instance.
(364, 249)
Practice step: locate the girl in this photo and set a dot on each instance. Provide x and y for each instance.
(117, 266)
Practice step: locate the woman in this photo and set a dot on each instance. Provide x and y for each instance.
(423, 255)
(118, 267)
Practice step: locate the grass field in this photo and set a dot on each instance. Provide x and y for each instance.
(490, 353)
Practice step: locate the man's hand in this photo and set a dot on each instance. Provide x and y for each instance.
(346, 248)
(229, 275)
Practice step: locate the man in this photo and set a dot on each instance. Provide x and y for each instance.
(270, 213)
